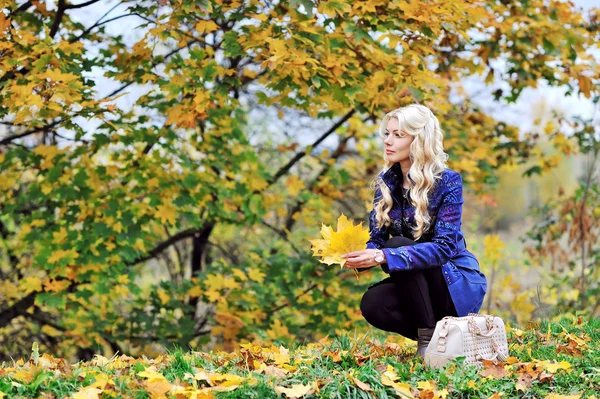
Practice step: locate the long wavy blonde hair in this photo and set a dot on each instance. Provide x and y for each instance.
(428, 162)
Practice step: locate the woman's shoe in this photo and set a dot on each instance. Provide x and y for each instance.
(424, 336)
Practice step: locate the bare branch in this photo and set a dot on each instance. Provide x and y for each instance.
(97, 24)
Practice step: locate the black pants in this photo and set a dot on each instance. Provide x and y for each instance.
(407, 300)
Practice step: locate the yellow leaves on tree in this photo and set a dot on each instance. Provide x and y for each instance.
(334, 244)
(166, 213)
(493, 247)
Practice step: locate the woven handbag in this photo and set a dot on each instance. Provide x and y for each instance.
(477, 337)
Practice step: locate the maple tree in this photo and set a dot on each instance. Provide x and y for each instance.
(170, 220)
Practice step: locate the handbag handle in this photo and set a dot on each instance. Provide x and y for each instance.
(497, 356)
(491, 359)
(488, 334)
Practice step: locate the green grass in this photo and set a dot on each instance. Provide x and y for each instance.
(334, 369)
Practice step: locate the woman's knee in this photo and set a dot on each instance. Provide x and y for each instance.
(398, 241)
(372, 305)
(367, 305)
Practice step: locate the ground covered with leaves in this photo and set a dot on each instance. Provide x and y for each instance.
(548, 360)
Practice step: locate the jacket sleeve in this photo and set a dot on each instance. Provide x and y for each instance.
(446, 237)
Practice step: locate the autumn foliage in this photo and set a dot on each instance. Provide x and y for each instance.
(161, 190)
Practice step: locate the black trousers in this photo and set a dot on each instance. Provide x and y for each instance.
(407, 300)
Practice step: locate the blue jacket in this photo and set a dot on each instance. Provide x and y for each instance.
(442, 245)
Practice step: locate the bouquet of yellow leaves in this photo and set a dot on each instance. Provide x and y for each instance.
(334, 244)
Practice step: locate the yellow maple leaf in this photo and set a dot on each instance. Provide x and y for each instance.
(278, 330)
(553, 367)
(347, 238)
(29, 284)
(402, 389)
(294, 185)
(256, 275)
(156, 384)
(206, 26)
(166, 213)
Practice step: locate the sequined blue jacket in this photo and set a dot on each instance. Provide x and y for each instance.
(442, 245)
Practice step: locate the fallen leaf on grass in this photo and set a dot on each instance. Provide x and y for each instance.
(296, 391)
(401, 389)
(87, 393)
(553, 366)
(362, 385)
(494, 370)
(272, 371)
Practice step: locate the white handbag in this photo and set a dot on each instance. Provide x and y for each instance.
(476, 337)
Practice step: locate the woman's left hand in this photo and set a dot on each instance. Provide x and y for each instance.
(360, 259)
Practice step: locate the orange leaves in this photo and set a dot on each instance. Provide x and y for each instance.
(53, 285)
(347, 238)
(494, 370)
(4, 23)
(525, 373)
(575, 345)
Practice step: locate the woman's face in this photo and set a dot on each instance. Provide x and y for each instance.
(396, 143)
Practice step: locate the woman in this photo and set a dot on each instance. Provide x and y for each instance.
(418, 201)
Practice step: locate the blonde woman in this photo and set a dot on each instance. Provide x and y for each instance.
(418, 202)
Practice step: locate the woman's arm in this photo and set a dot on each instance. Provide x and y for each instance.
(446, 239)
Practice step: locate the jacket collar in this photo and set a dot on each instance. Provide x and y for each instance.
(392, 177)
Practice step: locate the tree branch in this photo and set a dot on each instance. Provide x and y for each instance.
(60, 13)
(17, 309)
(165, 244)
(98, 23)
(308, 149)
(289, 224)
(87, 3)
(120, 89)
(306, 291)
(23, 7)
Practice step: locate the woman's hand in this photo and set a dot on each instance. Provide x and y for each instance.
(360, 259)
